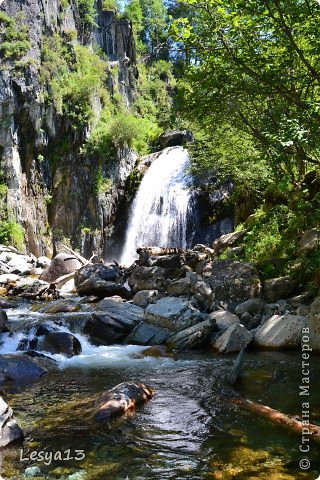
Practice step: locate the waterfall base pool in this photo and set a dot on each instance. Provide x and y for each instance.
(187, 431)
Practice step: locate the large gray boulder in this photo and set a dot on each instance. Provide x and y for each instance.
(192, 337)
(173, 313)
(233, 340)
(19, 369)
(3, 320)
(60, 265)
(114, 323)
(233, 281)
(281, 331)
(278, 288)
(148, 278)
(314, 324)
(226, 241)
(9, 429)
(181, 287)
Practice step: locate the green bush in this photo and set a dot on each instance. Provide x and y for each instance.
(14, 37)
(12, 233)
(109, 5)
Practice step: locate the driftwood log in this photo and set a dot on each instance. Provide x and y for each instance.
(278, 417)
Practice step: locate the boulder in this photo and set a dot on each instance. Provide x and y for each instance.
(9, 429)
(3, 320)
(172, 313)
(226, 241)
(252, 306)
(144, 297)
(103, 288)
(233, 281)
(276, 288)
(61, 264)
(17, 263)
(147, 334)
(62, 306)
(173, 138)
(314, 324)
(157, 351)
(309, 241)
(20, 369)
(192, 337)
(110, 273)
(30, 289)
(61, 343)
(171, 262)
(233, 340)
(122, 398)
(281, 331)
(147, 278)
(181, 287)
(113, 324)
(8, 277)
(224, 319)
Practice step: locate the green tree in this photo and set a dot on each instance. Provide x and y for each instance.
(256, 65)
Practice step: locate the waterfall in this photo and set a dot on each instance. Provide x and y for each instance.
(160, 209)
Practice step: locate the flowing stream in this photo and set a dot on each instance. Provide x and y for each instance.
(160, 209)
(188, 431)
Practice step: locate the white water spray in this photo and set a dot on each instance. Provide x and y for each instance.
(160, 209)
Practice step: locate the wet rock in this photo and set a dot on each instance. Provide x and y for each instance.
(8, 303)
(173, 313)
(148, 278)
(309, 241)
(314, 324)
(3, 320)
(253, 306)
(181, 287)
(3, 291)
(102, 288)
(122, 398)
(157, 351)
(171, 262)
(192, 337)
(20, 369)
(233, 281)
(281, 331)
(62, 306)
(233, 340)
(277, 288)
(174, 138)
(26, 344)
(9, 429)
(61, 343)
(147, 334)
(113, 324)
(60, 265)
(224, 319)
(144, 297)
(109, 273)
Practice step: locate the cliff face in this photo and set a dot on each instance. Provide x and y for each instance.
(50, 181)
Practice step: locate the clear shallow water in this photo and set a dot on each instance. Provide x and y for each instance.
(187, 431)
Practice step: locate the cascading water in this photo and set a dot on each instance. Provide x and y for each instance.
(159, 212)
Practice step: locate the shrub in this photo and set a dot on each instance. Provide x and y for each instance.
(14, 37)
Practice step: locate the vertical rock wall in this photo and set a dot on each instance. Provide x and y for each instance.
(52, 201)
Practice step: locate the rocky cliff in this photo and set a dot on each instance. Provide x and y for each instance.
(50, 180)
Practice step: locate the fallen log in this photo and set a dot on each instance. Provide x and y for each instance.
(278, 417)
(158, 251)
(122, 398)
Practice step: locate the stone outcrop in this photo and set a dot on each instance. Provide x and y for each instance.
(234, 339)
(173, 138)
(40, 154)
(278, 288)
(281, 331)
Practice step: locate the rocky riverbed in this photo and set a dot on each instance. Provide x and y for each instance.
(195, 310)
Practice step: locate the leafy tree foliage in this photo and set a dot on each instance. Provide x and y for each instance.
(256, 64)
